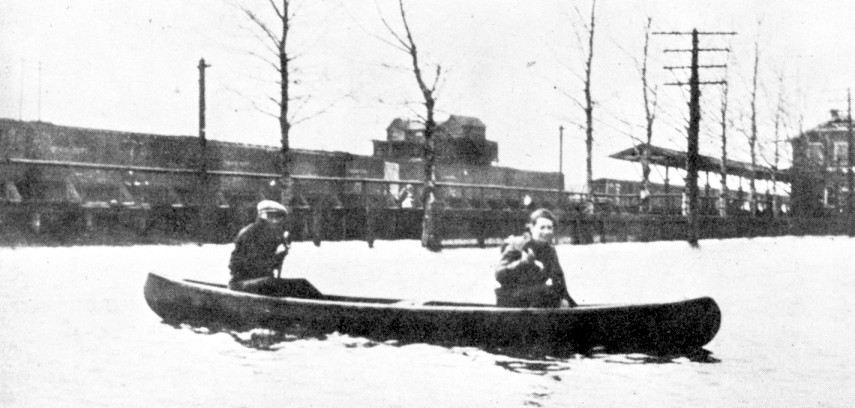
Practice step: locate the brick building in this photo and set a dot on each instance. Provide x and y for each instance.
(820, 162)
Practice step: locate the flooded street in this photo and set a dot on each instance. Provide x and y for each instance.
(76, 331)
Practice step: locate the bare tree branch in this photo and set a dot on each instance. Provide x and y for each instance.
(569, 96)
(252, 102)
(321, 111)
(264, 59)
(436, 79)
(402, 45)
(276, 9)
(261, 25)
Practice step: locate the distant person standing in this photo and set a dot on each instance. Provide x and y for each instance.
(644, 199)
(407, 197)
(529, 272)
(259, 250)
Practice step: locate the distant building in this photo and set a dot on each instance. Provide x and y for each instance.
(46, 164)
(463, 127)
(820, 162)
(458, 140)
(405, 130)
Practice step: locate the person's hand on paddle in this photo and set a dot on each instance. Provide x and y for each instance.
(286, 241)
(527, 256)
(281, 252)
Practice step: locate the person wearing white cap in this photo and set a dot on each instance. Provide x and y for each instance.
(259, 250)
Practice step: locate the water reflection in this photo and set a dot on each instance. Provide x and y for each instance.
(534, 367)
(535, 359)
(698, 355)
(544, 361)
(258, 339)
(264, 339)
(272, 340)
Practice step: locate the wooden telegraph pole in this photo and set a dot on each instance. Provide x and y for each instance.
(692, 155)
(204, 196)
(203, 142)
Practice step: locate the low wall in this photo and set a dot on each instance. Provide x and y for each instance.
(74, 223)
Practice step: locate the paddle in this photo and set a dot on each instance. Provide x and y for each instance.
(286, 242)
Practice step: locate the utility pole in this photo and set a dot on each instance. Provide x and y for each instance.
(203, 142)
(692, 155)
(850, 139)
(692, 158)
(561, 149)
(204, 187)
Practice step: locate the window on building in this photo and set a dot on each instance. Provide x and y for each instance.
(396, 135)
(815, 153)
(841, 153)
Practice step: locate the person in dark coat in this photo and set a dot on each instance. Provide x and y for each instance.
(529, 272)
(259, 250)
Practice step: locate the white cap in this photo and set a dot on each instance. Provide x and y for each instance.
(270, 205)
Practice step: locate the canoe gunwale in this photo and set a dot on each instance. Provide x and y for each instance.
(392, 303)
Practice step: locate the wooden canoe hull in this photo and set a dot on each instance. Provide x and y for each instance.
(679, 325)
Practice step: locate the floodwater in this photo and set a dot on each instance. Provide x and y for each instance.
(75, 330)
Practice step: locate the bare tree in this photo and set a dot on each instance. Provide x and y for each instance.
(649, 114)
(752, 137)
(406, 44)
(723, 198)
(589, 105)
(776, 159)
(279, 42)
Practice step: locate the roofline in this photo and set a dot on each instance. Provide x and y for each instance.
(677, 159)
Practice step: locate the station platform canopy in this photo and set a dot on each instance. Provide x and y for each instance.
(677, 159)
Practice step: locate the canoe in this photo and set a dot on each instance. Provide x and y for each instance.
(681, 325)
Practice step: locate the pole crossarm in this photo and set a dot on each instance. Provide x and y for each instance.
(698, 50)
(691, 32)
(699, 83)
(699, 66)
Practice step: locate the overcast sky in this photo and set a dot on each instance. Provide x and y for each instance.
(131, 65)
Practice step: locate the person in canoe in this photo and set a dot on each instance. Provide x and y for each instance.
(529, 272)
(259, 250)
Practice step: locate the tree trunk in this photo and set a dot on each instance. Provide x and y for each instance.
(752, 139)
(589, 107)
(725, 193)
(286, 183)
(650, 116)
(430, 240)
(776, 159)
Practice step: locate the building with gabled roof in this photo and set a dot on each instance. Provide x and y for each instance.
(458, 140)
(820, 163)
(463, 127)
(407, 130)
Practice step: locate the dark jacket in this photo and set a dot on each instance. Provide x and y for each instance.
(524, 283)
(254, 255)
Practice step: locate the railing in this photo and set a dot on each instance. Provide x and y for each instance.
(355, 192)
(464, 195)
